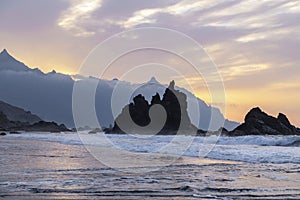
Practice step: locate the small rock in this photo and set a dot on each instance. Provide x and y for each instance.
(14, 132)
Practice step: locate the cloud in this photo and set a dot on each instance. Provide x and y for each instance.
(141, 17)
(227, 73)
(255, 44)
(231, 72)
(80, 12)
(238, 7)
(291, 6)
(273, 34)
(243, 37)
(181, 8)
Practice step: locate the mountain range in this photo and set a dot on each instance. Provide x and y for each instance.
(49, 95)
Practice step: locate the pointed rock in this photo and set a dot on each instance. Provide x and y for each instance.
(283, 119)
(172, 85)
(155, 99)
(254, 113)
(175, 105)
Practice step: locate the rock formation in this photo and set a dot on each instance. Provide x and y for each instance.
(14, 119)
(138, 114)
(43, 126)
(14, 113)
(258, 122)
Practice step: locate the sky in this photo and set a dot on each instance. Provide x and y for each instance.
(254, 44)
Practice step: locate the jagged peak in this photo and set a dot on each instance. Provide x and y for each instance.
(8, 62)
(52, 72)
(4, 51)
(283, 118)
(6, 57)
(256, 109)
(4, 54)
(254, 113)
(155, 99)
(153, 80)
(172, 85)
(139, 98)
(156, 95)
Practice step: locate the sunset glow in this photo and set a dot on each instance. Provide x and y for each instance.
(254, 44)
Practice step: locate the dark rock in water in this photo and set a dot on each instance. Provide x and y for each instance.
(142, 117)
(201, 132)
(222, 131)
(258, 122)
(14, 132)
(86, 128)
(96, 130)
(2, 134)
(46, 127)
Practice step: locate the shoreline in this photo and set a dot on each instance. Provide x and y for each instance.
(251, 149)
(34, 169)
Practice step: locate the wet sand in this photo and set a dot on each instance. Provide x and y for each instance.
(32, 169)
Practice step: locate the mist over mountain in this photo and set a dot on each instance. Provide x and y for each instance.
(49, 95)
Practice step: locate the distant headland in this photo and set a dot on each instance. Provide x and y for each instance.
(14, 119)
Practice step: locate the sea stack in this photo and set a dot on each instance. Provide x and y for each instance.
(258, 122)
(141, 112)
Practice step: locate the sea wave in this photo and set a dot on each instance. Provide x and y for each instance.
(256, 149)
(261, 140)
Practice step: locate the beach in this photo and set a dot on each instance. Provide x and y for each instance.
(33, 168)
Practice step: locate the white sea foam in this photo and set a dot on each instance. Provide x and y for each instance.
(262, 149)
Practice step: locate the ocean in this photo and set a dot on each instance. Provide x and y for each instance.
(82, 166)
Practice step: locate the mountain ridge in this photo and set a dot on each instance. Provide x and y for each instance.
(50, 95)
(8, 62)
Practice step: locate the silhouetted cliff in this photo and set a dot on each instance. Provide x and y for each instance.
(258, 122)
(174, 104)
(16, 119)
